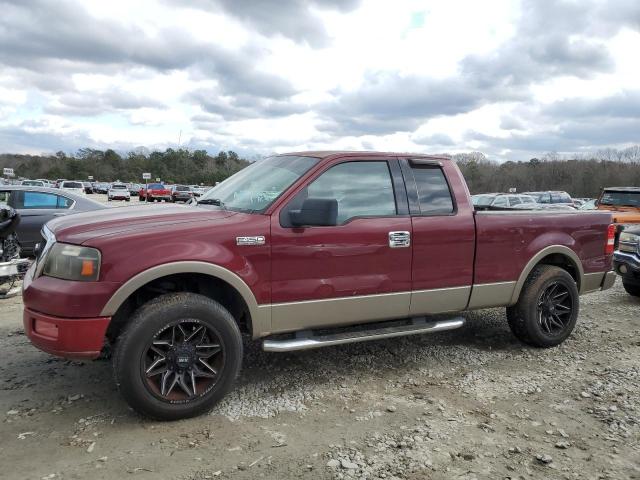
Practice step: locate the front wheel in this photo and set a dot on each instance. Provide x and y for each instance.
(547, 310)
(178, 357)
(631, 288)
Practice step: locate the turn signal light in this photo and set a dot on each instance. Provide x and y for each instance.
(611, 240)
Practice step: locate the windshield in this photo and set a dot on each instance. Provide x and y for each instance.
(71, 185)
(482, 200)
(182, 189)
(119, 187)
(621, 199)
(254, 188)
(33, 183)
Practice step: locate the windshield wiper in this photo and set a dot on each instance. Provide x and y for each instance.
(211, 201)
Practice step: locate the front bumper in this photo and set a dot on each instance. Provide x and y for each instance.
(627, 265)
(119, 197)
(80, 338)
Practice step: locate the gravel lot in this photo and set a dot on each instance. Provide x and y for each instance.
(471, 403)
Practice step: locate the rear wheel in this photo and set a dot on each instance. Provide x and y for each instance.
(631, 288)
(547, 310)
(178, 357)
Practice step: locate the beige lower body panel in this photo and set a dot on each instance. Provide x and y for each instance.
(439, 300)
(332, 312)
(592, 282)
(289, 317)
(485, 295)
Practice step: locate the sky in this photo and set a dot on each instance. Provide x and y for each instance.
(512, 79)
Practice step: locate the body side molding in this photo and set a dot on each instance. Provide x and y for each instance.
(260, 314)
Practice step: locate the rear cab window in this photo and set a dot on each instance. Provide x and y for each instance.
(434, 195)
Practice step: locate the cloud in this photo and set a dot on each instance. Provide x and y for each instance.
(294, 19)
(95, 103)
(77, 42)
(389, 103)
(271, 75)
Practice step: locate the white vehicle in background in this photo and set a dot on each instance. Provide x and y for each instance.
(197, 190)
(72, 186)
(34, 183)
(503, 200)
(118, 191)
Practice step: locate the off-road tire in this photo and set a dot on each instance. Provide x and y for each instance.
(632, 289)
(132, 345)
(523, 317)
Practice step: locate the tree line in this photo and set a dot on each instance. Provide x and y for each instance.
(581, 176)
(172, 165)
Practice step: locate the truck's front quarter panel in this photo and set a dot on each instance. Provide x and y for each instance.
(67, 318)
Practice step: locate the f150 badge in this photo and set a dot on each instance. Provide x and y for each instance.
(257, 240)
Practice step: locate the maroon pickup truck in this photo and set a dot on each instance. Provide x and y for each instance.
(301, 251)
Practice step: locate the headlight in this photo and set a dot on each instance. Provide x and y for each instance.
(72, 262)
(629, 242)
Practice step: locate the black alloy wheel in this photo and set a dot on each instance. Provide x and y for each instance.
(182, 361)
(178, 356)
(554, 309)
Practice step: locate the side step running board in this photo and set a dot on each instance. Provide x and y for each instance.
(307, 340)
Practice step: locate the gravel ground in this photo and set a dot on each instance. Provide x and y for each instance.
(471, 403)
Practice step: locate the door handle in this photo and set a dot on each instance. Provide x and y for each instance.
(399, 239)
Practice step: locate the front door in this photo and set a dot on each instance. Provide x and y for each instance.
(350, 272)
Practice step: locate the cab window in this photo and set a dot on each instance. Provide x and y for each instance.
(434, 196)
(362, 189)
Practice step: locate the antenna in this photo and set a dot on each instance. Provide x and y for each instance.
(179, 138)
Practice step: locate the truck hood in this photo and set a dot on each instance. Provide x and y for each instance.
(79, 228)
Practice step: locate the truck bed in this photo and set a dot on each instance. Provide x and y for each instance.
(508, 241)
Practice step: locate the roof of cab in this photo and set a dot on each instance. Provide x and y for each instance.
(364, 153)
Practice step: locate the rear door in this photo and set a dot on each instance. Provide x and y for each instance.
(355, 271)
(443, 238)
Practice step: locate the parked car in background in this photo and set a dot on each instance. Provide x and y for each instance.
(47, 183)
(155, 192)
(623, 202)
(626, 260)
(134, 189)
(102, 187)
(197, 190)
(503, 200)
(58, 182)
(73, 186)
(38, 205)
(118, 191)
(589, 204)
(181, 193)
(550, 197)
(88, 188)
(301, 251)
(33, 183)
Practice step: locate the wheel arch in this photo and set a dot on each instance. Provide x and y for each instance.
(259, 317)
(558, 255)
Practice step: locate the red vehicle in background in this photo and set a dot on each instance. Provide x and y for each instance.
(301, 251)
(153, 192)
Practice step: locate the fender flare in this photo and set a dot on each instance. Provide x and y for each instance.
(535, 260)
(260, 314)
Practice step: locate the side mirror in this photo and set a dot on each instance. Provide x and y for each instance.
(315, 212)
